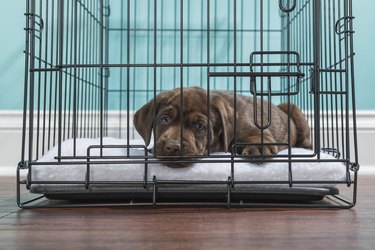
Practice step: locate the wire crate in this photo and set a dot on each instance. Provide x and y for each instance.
(89, 65)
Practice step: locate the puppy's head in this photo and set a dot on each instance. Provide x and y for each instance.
(199, 126)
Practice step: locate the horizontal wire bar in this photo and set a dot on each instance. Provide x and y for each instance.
(194, 30)
(159, 65)
(332, 70)
(184, 182)
(256, 74)
(333, 92)
(158, 161)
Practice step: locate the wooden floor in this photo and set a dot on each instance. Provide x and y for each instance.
(187, 228)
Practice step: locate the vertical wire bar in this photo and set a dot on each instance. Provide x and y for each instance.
(283, 48)
(321, 83)
(121, 68)
(56, 97)
(128, 76)
(313, 75)
(51, 75)
(175, 44)
(354, 114)
(90, 112)
(290, 173)
(305, 27)
(235, 80)
(330, 21)
(336, 78)
(255, 24)
(108, 75)
(134, 72)
(290, 26)
(208, 79)
(39, 83)
(341, 88)
(74, 125)
(106, 58)
(32, 81)
(181, 76)
(80, 71)
(148, 48)
(106, 69)
(94, 100)
(60, 54)
(326, 82)
(201, 45)
(228, 42)
(94, 87)
(261, 79)
(342, 77)
(347, 58)
(155, 74)
(187, 41)
(101, 76)
(308, 60)
(46, 28)
(145, 172)
(299, 96)
(268, 31)
(316, 46)
(83, 76)
(241, 41)
(72, 75)
(86, 81)
(215, 38)
(67, 70)
(161, 34)
(26, 81)
(87, 78)
(94, 76)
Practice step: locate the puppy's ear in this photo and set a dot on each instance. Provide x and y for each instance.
(226, 113)
(143, 121)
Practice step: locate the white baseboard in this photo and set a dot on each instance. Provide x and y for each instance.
(8, 170)
(11, 135)
(367, 170)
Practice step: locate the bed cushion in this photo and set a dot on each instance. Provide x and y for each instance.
(302, 171)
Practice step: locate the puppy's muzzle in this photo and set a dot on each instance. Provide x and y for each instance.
(172, 148)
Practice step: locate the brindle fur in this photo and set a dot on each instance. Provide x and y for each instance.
(195, 125)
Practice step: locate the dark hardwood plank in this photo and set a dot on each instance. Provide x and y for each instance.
(187, 228)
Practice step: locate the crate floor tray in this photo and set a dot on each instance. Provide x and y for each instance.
(188, 193)
(60, 181)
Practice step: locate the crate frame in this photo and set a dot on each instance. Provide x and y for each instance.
(34, 69)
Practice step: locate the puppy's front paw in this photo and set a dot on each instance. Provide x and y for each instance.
(257, 150)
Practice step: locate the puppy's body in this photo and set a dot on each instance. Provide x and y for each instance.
(220, 126)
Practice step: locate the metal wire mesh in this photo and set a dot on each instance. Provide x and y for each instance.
(90, 64)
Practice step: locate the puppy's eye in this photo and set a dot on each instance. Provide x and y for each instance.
(199, 125)
(165, 119)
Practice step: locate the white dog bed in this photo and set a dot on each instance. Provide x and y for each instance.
(202, 171)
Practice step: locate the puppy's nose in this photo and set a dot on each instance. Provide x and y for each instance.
(172, 148)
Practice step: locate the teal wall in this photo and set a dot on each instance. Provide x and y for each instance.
(12, 58)
(364, 47)
(12, 38)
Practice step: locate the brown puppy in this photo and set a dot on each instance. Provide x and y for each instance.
(221, 125)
